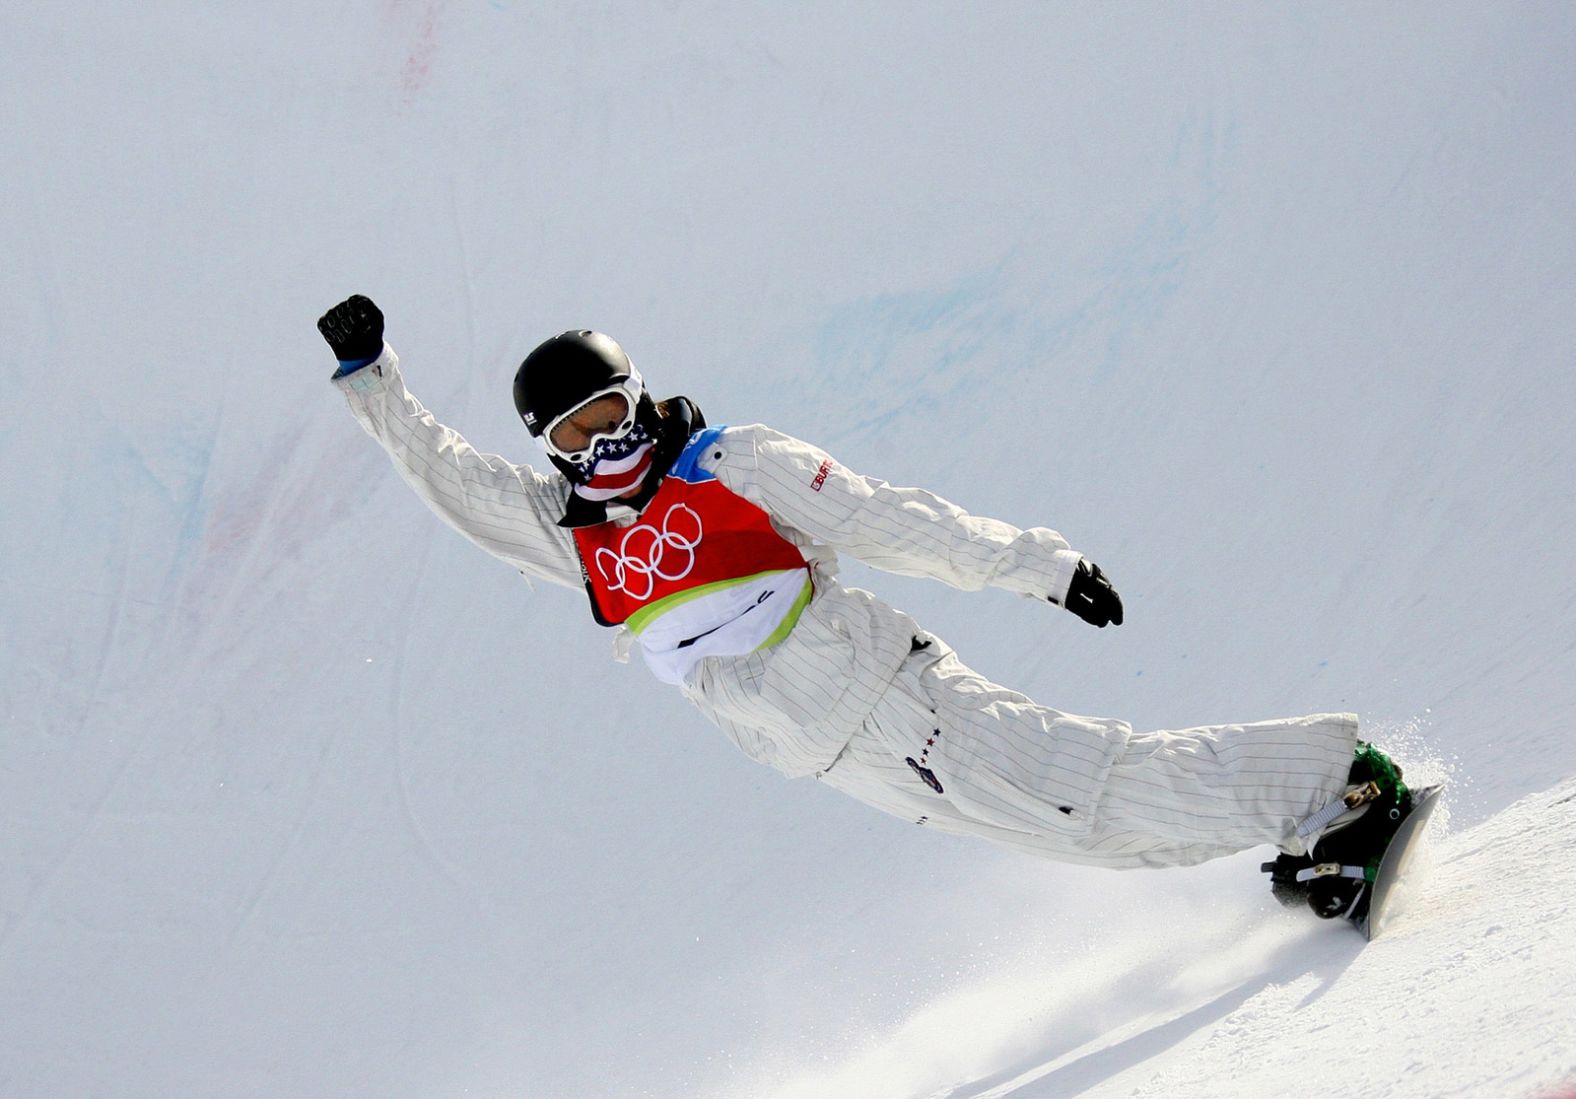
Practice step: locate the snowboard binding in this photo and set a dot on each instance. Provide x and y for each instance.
(1353, 833)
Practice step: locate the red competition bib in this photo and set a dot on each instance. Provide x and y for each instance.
(694, 538)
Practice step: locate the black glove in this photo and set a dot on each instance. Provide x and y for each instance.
(354, 329)
(1091, 597)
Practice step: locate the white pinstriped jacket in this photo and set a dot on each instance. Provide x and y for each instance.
(796, 704)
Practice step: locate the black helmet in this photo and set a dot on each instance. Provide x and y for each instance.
(569, 369)
(565, 372)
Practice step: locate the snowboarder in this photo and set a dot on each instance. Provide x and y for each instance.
(714, 550)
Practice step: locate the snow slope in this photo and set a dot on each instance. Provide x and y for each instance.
(1268, 308)
(1466, 994)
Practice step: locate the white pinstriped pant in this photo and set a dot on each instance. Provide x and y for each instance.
(1085, 790)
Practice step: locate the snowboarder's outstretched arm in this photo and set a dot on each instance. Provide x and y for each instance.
(909, 530)
(509, 510)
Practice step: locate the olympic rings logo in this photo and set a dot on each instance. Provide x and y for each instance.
(646, 554)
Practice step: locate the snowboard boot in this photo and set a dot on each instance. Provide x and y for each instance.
(1352, 834)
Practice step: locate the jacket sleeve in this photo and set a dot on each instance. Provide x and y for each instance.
(511, 511)
(902, 530)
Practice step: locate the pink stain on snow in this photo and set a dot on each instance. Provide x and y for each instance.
(420, 22)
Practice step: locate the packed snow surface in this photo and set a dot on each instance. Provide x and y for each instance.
(1269, 309)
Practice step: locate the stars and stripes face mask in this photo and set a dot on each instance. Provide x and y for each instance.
(600, 444)
(616, 466)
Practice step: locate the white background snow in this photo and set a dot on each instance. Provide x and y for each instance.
(1269, 308)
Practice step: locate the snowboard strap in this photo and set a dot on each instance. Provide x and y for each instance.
(1352, 799)
(1332, 870)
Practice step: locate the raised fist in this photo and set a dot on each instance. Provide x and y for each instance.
(354, 329)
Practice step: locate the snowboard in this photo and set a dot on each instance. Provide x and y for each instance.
(1395, 882)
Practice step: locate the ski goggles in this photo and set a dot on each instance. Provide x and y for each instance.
(607, 415)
